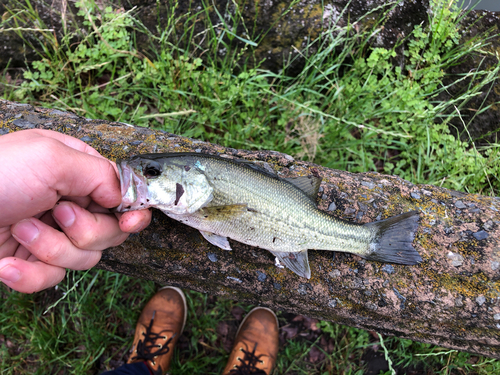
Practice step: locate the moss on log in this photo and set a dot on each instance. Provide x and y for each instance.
(452, 299)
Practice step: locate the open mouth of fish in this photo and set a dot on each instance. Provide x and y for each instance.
(133, 189)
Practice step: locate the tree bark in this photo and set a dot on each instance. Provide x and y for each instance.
(452, 299)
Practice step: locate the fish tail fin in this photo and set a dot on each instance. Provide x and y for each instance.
(393, 241)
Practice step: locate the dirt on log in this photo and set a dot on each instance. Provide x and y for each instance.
(452, 299)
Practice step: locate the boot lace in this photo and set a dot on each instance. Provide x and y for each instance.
(248, 364)
(146, 349)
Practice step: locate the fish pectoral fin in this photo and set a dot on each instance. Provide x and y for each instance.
(220, 213)
(216, 240)
(296, 261)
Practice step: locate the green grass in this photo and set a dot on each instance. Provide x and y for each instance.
(350, 108)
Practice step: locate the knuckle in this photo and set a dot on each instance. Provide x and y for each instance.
(89, 261)
(84, 240)
(51, 254)
(97, 232)
(86, 234)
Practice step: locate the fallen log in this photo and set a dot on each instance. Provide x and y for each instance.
(452, 299)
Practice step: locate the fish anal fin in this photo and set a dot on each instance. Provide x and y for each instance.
(295, 261)
(308, 184)
(216, 240)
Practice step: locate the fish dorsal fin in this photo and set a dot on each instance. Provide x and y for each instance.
(259, 166)
(296, 261)
(308, 184)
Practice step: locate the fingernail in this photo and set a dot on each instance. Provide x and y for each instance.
(25, 231)
(10, 274)
(64, 215)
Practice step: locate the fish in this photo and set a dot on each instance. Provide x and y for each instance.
(240, 200)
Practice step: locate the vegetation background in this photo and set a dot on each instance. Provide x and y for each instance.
(351, 107)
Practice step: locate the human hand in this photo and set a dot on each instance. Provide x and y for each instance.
(51, 182)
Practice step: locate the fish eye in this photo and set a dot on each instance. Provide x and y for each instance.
(152, 170)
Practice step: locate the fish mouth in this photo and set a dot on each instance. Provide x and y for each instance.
(132, 187)
(127, 186)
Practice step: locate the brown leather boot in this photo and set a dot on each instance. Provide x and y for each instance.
(256, 344)
(158, 329)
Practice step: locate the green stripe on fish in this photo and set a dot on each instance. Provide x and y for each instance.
(225, 198)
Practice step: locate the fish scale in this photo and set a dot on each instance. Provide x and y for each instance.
(271, 198)
(235, 199)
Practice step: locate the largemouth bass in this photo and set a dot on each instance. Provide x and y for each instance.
(225, 198)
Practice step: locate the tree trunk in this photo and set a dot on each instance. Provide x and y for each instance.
(452, 299)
